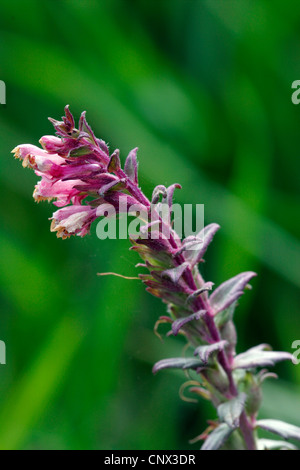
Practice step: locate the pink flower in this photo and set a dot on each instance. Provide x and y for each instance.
(52, 144)
(75, 166)
(36, 158)
(62, 191)
(73, 220)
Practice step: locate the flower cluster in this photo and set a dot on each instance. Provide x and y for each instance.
(80, 175)
(75, 168)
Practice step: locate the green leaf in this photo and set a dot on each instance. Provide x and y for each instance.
(231, 411)
(114, 162)
(177, 363)
(218, 437)
(269, 444)
(204, 352)
(285, 430)
(174, 274)
(259, 358)
(80, 151)
(229, 291)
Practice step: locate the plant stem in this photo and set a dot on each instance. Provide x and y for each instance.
(247, 432)
(202, 303)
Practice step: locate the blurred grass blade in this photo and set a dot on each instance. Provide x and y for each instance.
(31, 397)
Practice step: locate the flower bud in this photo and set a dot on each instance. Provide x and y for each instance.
(254, 394)
(228, 333)
(218, 378)
(51, 143)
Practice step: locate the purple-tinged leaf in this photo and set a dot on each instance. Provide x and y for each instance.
(177, 363)
(123, 202)
(102, 145)
(69, 119)
(189, 244)
(114, 162)
(170, 193)
(285, 430)
(229, 291)
(66, 126)
(175, 274)
(207, 286)
(260, 347)
(256, 358)
(162, 285)
(158, 191)
(231, 411)
(116, 184)
(197, 248)
(180, 322)
(218, 437)
(131, 166)
(204, 352)
(157, 243)
(84, 127)
(168, 297)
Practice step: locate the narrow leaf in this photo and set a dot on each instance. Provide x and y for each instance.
(229, 291)
(180, 322)
(69, 119)
(207, 286)
(255, 358)
(260, 347)
(197, 248)
(84, 127)
(204, 352)
(269, 444)
(116, 184)
(158, 191)
(170, 193)
(225, 316)
(285, 430)
(177, 363)
(218, 437)
(131, 166)
(191, 244)
(175, 274)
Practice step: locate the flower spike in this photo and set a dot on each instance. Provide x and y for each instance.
(80, 176)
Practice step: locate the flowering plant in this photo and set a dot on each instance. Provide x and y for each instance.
(82, 178)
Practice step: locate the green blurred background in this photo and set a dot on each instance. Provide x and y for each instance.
(203, 88)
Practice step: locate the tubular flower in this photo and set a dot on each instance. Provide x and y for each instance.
(73, 220)
(75, 168)
(83, 178)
